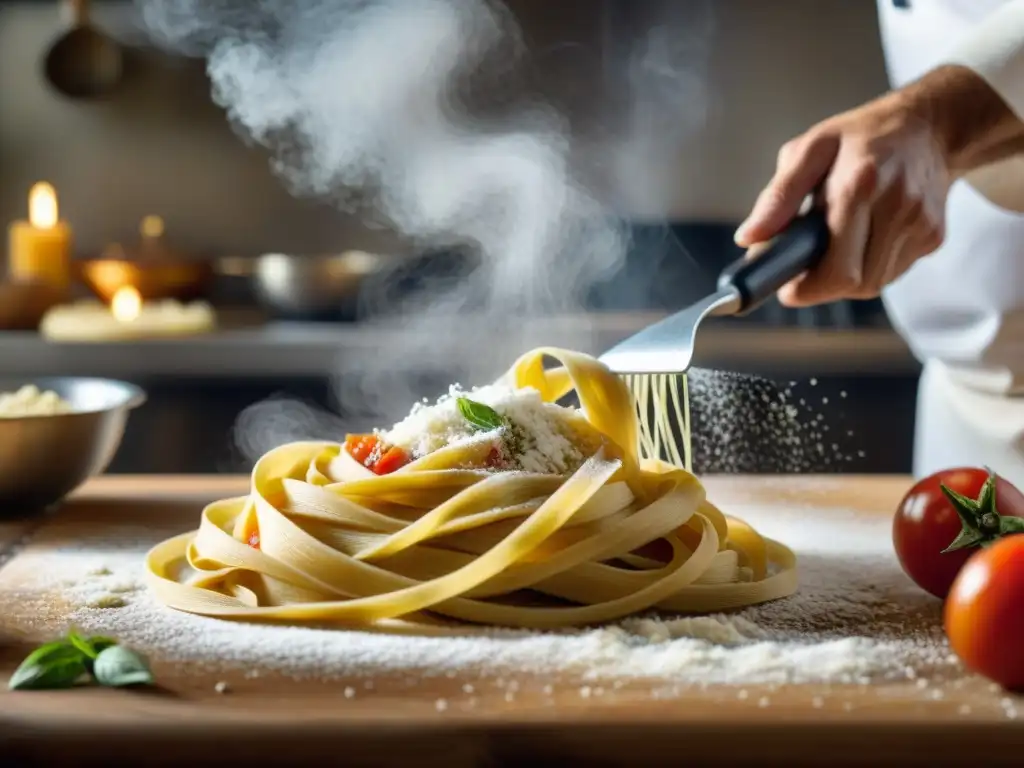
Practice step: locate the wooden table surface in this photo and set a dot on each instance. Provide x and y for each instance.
(277, 720)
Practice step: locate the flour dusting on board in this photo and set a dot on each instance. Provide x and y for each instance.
(851, 622)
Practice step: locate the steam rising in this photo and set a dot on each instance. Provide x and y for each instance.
(370, 103)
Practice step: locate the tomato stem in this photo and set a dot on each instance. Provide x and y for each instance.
(980, 519)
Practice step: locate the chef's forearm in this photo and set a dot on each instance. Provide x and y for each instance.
(975, 100)
(972, 122)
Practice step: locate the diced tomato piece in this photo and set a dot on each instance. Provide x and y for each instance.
(254, 540)
(392, 459)
(361, 447)
(493, 457)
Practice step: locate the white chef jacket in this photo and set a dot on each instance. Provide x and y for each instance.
(961, 310)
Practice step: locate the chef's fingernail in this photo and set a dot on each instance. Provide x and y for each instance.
(740, 236)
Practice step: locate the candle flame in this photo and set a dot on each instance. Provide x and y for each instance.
(152, 226)
(126, 304)
(42, 206)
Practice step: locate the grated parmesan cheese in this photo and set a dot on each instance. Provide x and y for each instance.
(545, 441)
(31, 401)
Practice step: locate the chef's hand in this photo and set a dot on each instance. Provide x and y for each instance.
(884, 170)
(884, 180)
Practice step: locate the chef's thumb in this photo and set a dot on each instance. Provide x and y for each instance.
(782, 199)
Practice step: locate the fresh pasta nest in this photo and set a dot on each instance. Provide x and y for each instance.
(513, 512)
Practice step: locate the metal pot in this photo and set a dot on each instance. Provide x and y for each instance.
(308, 287)
(331, 287)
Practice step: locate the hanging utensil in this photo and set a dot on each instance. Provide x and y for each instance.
(84, 63)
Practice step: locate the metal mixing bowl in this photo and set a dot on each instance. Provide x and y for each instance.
(44, 458)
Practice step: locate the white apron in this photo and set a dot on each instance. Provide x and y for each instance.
(961, 310)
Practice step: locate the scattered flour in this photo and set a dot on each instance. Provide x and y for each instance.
(105, 600)
(855, 619)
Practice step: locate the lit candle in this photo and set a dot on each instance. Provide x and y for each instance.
(127, 318)
(39, 249)
(126, 306)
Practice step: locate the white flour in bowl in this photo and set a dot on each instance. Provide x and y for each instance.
(855, 619)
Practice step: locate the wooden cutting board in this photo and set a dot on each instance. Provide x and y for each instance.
(273, 719)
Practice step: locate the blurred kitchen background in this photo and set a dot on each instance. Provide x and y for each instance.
(158, 146)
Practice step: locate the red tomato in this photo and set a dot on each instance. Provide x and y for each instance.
(495, 457)
(394, 458)
(983, 616)
(926, 523)
(389, 458)
(361, 447)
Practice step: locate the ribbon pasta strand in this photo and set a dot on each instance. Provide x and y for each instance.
(446, 539)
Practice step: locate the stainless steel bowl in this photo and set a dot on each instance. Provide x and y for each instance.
(44, 458)
(312, 287)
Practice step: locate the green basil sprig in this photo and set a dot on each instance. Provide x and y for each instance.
(479, 415)
(54, 665)
(66, 662)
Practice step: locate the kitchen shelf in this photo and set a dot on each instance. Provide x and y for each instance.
(315, 349)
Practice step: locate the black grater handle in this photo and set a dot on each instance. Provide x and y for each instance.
(795, 250)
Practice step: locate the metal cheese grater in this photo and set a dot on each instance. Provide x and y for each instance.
(654, 361)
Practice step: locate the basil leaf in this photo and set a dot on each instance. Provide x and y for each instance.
(101, 643)
(479, 415)
(54, 665)
(91, 647)
(118, 666)
(82, 644)
(63, 673)
(58, 649)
